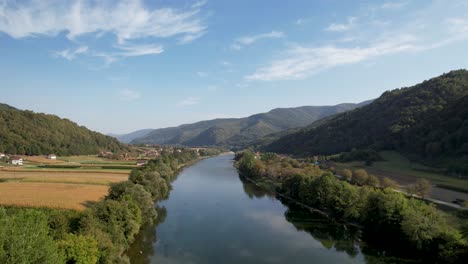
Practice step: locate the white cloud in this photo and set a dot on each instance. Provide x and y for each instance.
(304, 61)
(189, 101)
(342, 27)
(249, 40)
(129, 95)
(126, 20)
(138, 50)
(70, 54)
(436, 25)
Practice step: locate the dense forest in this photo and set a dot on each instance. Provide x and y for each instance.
(101, 233)
(428, 120)
(26, 132)
(397, 223)
(238, 132)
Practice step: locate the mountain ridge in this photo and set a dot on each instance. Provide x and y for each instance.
(237, 132)
(390, 122)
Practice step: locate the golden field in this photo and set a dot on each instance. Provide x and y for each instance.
(52, 195)
(100, 178)
(64, 189)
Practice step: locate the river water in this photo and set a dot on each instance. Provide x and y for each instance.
(212, 216)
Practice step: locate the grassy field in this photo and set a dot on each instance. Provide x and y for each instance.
(93, 160)
(51, 195)
(67, 188)
(405, 172)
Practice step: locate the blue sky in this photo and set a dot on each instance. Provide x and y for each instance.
(119, 66)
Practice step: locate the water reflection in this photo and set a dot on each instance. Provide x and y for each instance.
(142, 248)
(331, 234)
(213, 217)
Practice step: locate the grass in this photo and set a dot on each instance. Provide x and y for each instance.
(40, 159)
(401, 169)
(51, 195)
(92, 159)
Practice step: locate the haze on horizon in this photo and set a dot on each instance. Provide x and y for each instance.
(120, 66)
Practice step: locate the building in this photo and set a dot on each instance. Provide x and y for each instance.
(2, 155)
(141, 162)
(52, 156)
(16, 160)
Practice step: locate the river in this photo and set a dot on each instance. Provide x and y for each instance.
(212, 216)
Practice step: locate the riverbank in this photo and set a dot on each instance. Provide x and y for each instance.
(381, 212)
(212, 216)
(100, 233)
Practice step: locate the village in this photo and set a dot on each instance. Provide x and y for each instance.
(70, 182)
(139, 155)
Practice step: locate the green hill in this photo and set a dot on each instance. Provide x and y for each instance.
(427, 121)
(239, 132)
(26, 132)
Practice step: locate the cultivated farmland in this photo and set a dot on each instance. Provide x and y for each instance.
(52, 195)
(66, 183)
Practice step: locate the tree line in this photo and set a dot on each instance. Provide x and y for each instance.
(102, 232)
(388, 218)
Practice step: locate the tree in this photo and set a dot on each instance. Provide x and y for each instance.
(464, 230)
(347, 174)
(26, 239)
(422, 187)
(360, 177)
(79, 249)
(373, 181)
(423, 223)
(388, 183)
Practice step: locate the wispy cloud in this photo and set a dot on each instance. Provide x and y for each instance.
(128, 21)
(342, 27)
(303, 61)
(239, 43)
(70, 54)
(139, 50)
(226, 63)
(437, 25)
(189, 101)
(129, 95)
(202, 74)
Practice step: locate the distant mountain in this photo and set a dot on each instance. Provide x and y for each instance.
(26, 132)
(238, 132)
(428, 119)
(127, 138)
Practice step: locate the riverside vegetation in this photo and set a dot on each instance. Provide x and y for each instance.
(390, 220)
(99, 234)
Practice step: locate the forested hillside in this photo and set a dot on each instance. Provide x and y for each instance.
(428, 119)
(238, 132)
(26, 132)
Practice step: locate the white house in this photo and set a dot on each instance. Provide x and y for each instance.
(52, 156)
(141, 162)
(16, 160)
